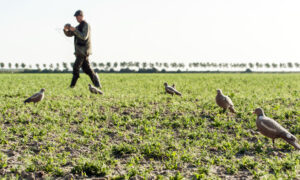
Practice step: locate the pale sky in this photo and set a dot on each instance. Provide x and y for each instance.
(153, 30)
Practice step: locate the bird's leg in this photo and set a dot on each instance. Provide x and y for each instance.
(273, 141)
(224, 110)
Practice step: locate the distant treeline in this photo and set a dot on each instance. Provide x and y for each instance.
(145, 67)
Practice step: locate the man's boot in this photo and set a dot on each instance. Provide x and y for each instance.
(96, 81)
(73, 82)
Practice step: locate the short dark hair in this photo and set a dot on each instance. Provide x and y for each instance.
(78, 13)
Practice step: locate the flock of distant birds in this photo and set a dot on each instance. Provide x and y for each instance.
(265, 125)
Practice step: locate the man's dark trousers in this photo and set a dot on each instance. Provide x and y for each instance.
(83, 62)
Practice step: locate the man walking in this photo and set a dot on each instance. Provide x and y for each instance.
(82, 43)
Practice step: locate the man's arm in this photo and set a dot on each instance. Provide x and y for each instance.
(84, 34)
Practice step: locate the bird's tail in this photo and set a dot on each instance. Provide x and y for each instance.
(100, 92)
(296, 145)
(292, 140)
(178, 93)
(231, 108)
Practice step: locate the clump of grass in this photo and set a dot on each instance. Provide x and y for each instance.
(123, 149)
(3, 160)
(91, 169)
(153, 150)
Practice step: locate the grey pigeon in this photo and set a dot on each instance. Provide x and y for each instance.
(36, 97)
(94, 90)
(224, 101)
(171, 90)
(272, 129)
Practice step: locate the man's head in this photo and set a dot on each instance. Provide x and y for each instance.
(79, 16)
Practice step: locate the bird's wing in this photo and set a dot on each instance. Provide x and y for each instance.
(271, 125)
(99, 91)
(173, 90)
(222, 101)
(169, 89)
(177, 92)
(228, 100)
(289, 136)
(35, 96)
(94, 90)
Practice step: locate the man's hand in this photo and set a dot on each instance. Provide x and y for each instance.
(72, 29)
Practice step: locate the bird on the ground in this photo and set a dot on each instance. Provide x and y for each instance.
(36, 97)
(224, 101)
(272, 129)
(94, 90)
(171, 90)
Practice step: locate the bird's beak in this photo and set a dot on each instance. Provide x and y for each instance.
(253, 112)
